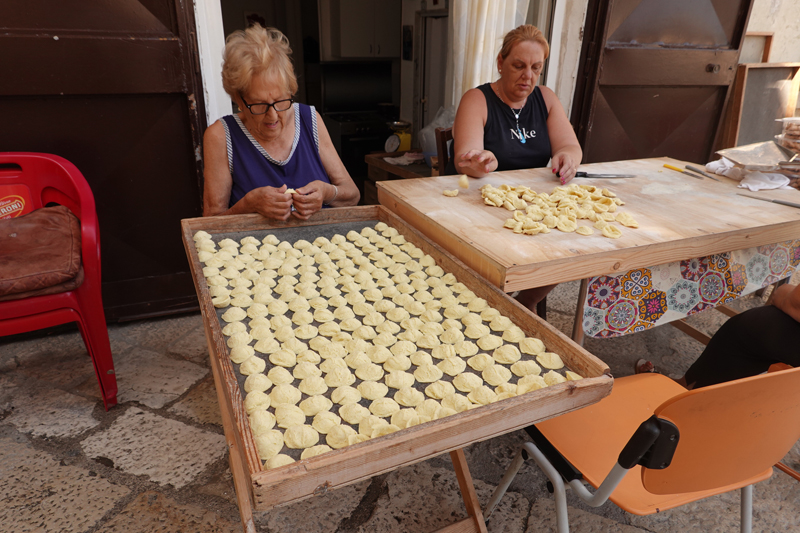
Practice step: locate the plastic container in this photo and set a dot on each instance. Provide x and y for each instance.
(791, 128)
(792, 143)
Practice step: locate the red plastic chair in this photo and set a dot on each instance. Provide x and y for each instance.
(50, 178)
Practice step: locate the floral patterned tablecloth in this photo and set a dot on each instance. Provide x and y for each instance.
(647, 297)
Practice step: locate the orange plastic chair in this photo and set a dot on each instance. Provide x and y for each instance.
(43, 179)
(691, 445)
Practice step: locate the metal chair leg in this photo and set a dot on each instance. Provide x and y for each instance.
(501, 489)
(747, 509)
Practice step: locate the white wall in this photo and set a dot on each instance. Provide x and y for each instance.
(410, 8)
(782, 17)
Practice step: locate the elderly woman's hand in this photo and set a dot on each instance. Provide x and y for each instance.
(270, 202)
(479, 161)
(309, 199)
(564, 167)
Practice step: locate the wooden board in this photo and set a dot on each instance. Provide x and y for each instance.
(266, 489)
(679, 218)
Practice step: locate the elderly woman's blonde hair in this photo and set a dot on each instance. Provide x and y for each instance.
(254, 52)
(526, 32)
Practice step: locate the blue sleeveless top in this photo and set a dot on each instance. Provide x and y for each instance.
(252, 167)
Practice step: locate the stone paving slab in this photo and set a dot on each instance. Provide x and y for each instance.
(40, 494)
(422, 499)
(156, 334)
(152, 512)
(164, 450)
(47, 412)
(542, 519)
(152, 379)
(200, 404)
(318, 514)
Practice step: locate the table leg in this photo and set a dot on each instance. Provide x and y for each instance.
(577, 326)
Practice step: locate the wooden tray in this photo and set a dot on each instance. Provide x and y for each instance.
(263, 489)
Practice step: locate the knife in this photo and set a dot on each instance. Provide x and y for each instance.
(782, 202)
(676, 169)
(587, 175)
(699, 171)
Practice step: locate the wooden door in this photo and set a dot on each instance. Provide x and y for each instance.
(114, 88)
(655, 77)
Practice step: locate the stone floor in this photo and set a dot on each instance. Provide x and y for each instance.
(157, 462)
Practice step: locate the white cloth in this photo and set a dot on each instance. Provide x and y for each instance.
(757, 181)
(407, 158)
(752, 180)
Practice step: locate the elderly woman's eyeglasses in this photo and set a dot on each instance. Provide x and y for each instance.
(263, 108)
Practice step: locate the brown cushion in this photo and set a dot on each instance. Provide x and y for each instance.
(39, 250)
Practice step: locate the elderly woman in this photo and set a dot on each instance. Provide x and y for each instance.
(275, 157)
(512, 123)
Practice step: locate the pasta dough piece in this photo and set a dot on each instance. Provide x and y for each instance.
(240, 354)
(353, 413)
(526, 368)
(456, 402)
(277, 307)
(553, 378)
(305, 370)
(439, 389)
(308, 356)
(234, 314)
(384, 429)
(257, 382)
(531, 345)
(467, 382)
(476, 331)
(357, 359)
(513, 334)
(339, 377)
(496, 374)
(490, 342)
(405, 418)
(452, 193)
(427, 374)
(345, 394)
(452, 336)
(313, 386)
(314, 451)
(371, 372)
(530, 383)
(399, 379)
(279, 375)
(506, 354)
(483, 395)
(379, 354)
(370, 423)
(584, 230)
(301, 436)
(256, 400)
(288, 415)
(403, 348)
(397, 362)
(384, 339)
(421, 358)
(313, 405)
(466, 348)
(294, 345)
(332, 350)
(283, 358)
(550, 360)
(428, 408)
(572, 376)
(428, 341)
(269, 444)
(452, 366)
(500, 323)
(339, 436)
(284, 394)
(626, 220)
(408, 397)
(325, 421)
(261, 333)
(372, 390)
(480, 361)
(612, 232)
(329, 365)
(261, 421)
(253, 365)
(384, 407)
(306, 332)
(329, 329)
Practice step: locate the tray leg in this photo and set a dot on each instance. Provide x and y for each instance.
(468, 493)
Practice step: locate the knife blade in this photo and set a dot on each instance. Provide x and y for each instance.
(699, 171)
(587, 175)
(781, 202)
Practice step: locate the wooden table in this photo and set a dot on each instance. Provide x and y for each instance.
(380, 170)
(679, 218)
(260, 489)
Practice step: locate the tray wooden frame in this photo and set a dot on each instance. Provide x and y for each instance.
(260, 490)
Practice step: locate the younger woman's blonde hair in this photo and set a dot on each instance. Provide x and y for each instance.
(254, 52)
(526, 32)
